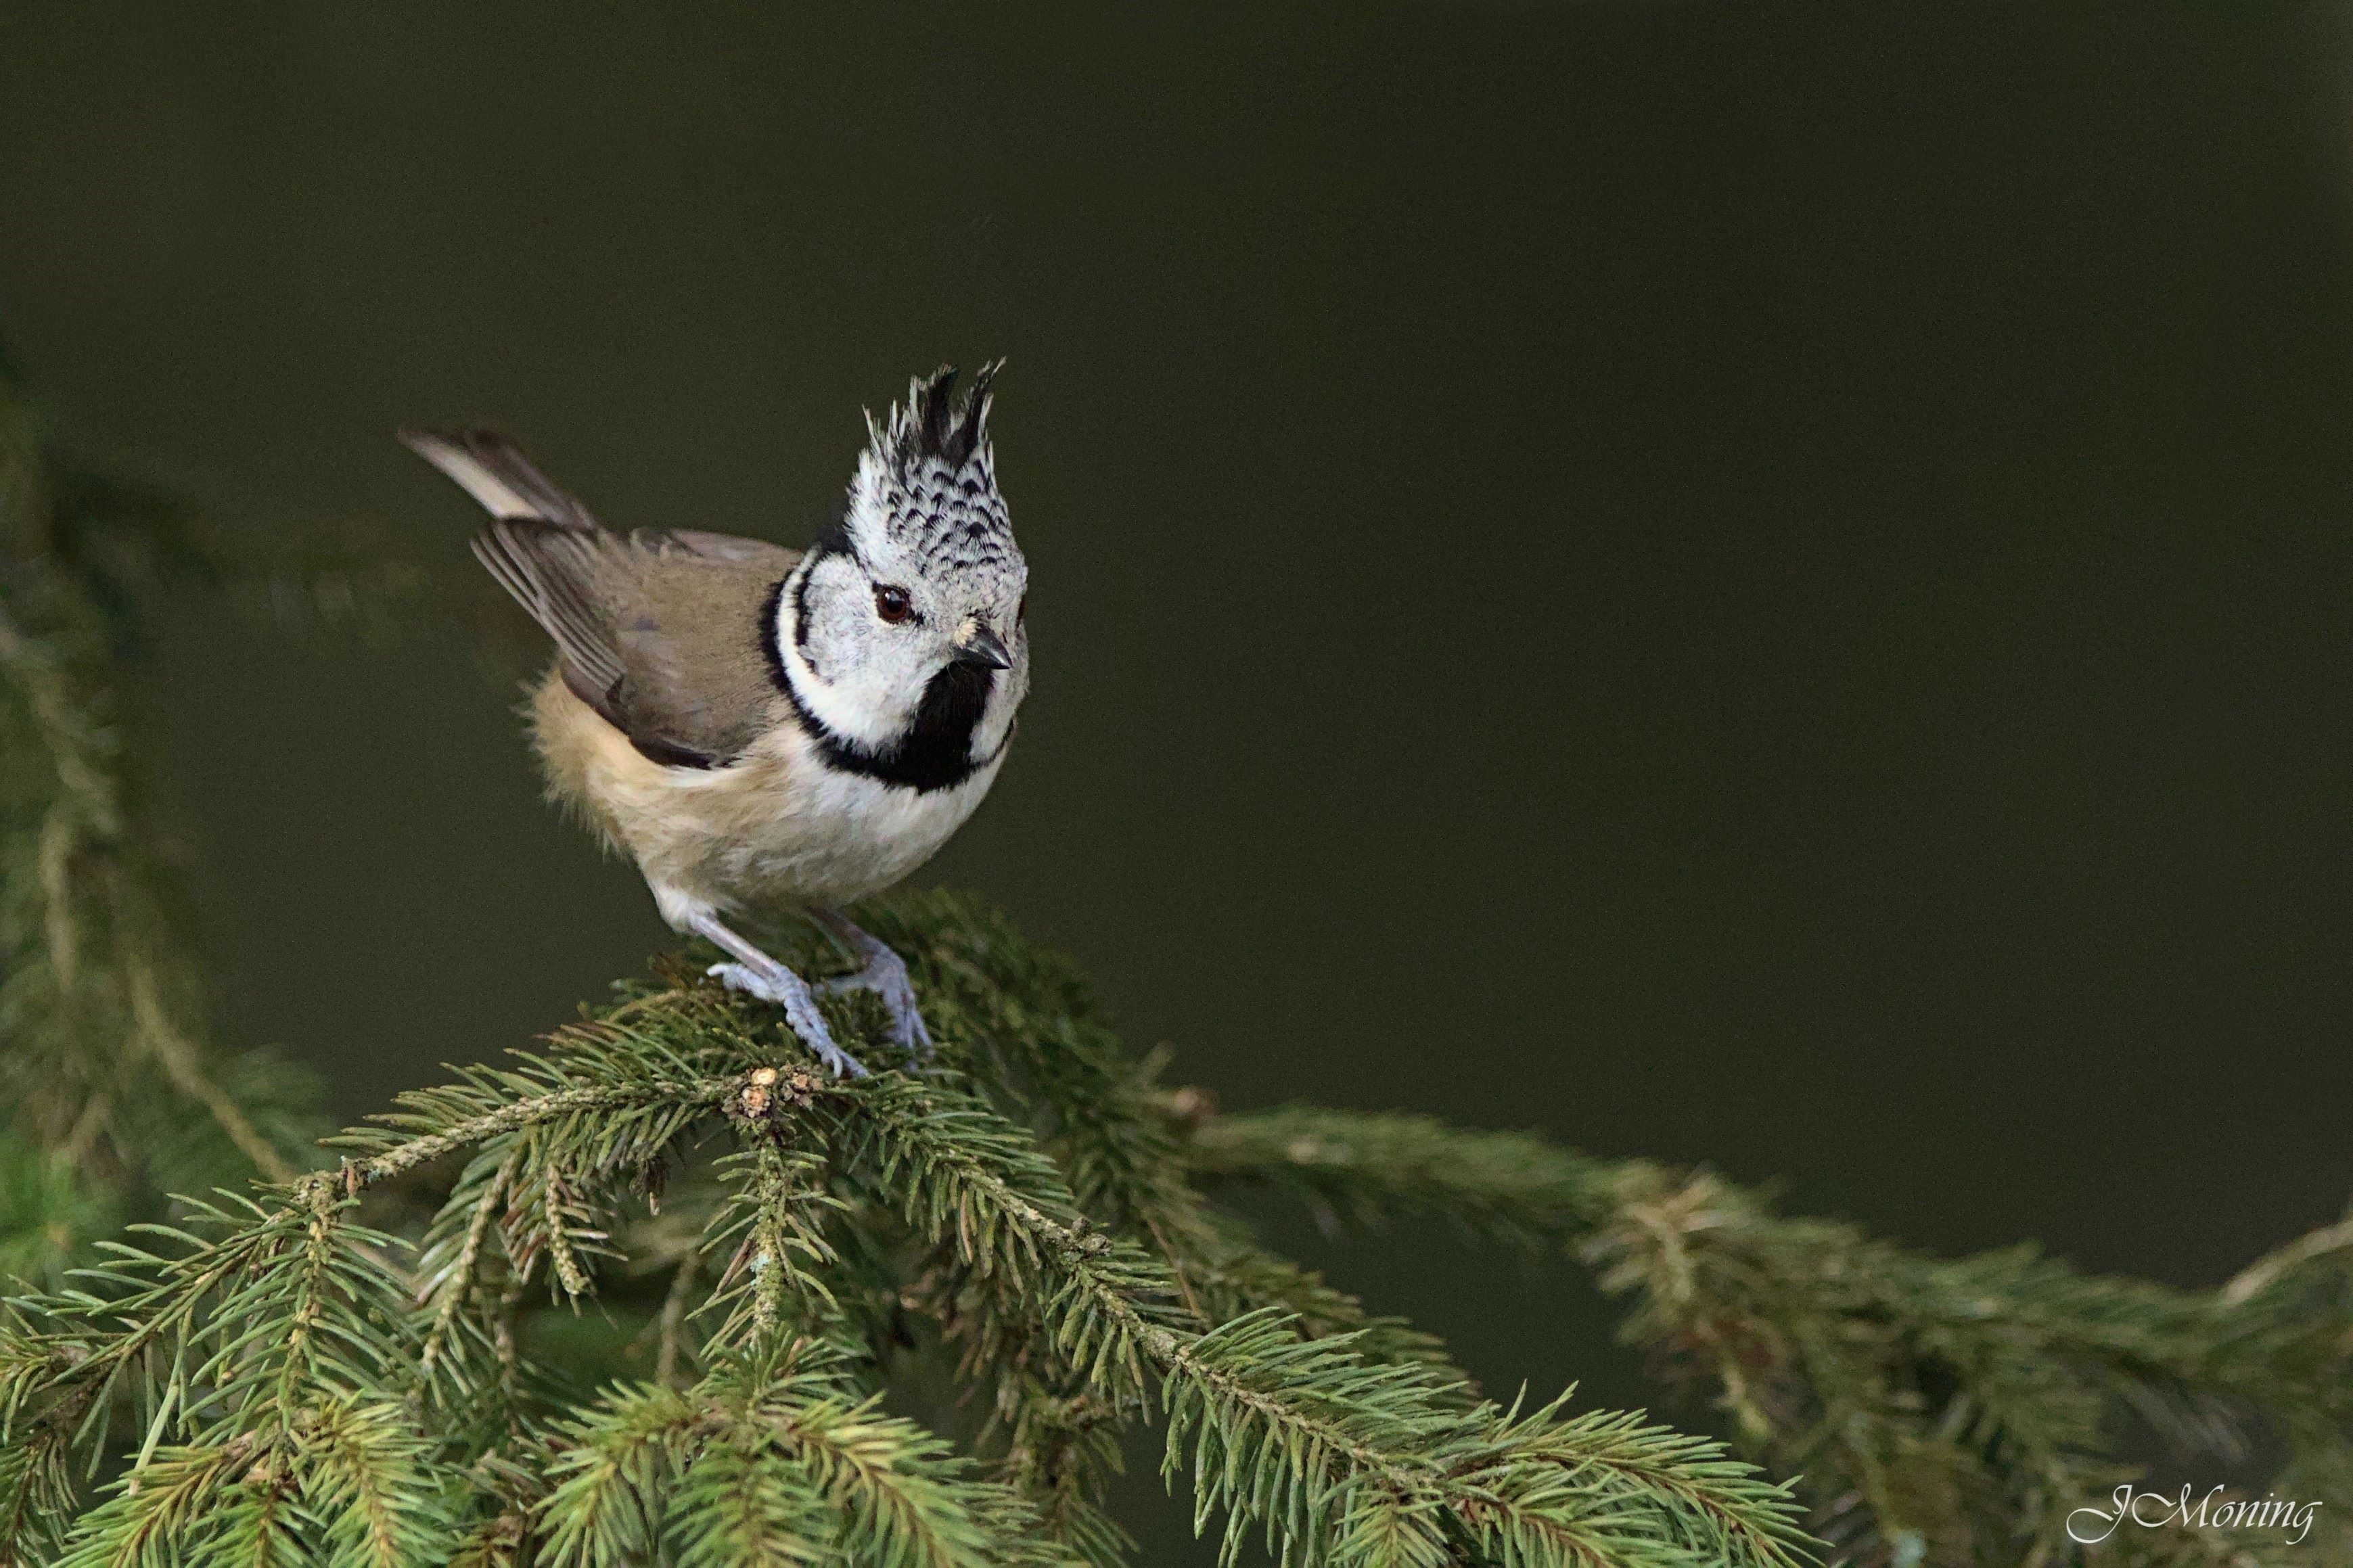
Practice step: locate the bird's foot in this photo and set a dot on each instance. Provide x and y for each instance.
(790, 992)
(885, 974)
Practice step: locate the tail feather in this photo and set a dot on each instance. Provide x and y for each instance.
(489, 466)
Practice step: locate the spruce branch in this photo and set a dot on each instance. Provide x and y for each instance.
(1096, 1110)
(773, 1459)
(1292, 1413)
(1957, 1409)
(276, 1426)
(1352, 1167)
(1330, 1451)
(770, 1230)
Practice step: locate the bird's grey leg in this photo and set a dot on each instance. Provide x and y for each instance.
(885, 974)
(759, 975)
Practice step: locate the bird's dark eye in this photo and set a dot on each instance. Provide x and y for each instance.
(891, 603)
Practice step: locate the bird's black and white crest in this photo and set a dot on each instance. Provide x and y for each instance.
(926, 483)
(898, 637)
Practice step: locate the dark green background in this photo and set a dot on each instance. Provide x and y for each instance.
(1749, 584)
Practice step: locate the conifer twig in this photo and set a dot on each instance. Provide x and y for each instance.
(1927, 1400)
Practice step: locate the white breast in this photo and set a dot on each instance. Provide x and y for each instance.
(833, 836)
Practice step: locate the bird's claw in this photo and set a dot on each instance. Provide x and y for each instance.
(885, 974)
(790, 992)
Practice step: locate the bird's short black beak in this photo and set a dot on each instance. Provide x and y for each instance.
(983, 647)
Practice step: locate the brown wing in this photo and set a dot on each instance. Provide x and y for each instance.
(661, 632)
(694, 651)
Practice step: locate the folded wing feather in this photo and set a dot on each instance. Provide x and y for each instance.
(661, 632)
